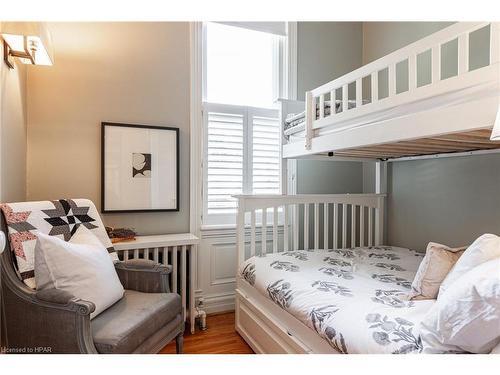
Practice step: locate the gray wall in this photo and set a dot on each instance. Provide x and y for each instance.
(12, 132)
(118, 72)
(450, 200)
(381, 38)
(327, 50)
(329, 177)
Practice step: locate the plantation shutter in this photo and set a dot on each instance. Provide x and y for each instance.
(242, 156)
(224, 161)
(266, 155)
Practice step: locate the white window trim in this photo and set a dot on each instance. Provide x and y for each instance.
(196, 113)
(195, 126)
(291, 61)
(289, 166)
(280, 89)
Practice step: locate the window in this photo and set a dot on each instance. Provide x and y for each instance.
(242, 145)
(240, 66)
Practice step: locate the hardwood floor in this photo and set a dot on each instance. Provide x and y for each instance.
(219, 338)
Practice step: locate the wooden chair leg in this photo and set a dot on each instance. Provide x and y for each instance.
(179, 343)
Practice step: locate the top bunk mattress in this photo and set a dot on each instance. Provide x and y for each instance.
(293, 121)
(355, 299)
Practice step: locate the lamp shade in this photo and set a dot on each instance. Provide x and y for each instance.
(495, 133)
(36, 34)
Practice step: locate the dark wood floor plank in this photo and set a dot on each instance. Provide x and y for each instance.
(219, 338)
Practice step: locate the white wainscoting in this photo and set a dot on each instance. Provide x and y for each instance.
(217, 267)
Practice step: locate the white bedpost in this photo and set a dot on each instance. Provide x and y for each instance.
(310, 115)
(380, 177)
(379, 221)
(436, 63)
(463, 53)
(392, 80)
(412, 72)
(494, 43)
(359, 92)
(240, 232)
(495, 53)
(345, 97)
(380, 188)
(374, 90)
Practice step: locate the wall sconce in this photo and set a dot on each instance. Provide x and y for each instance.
(30, 42)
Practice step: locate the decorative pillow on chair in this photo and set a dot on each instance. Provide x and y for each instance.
(466, 317)
(438, 261)
(81, 266)
(483, 249)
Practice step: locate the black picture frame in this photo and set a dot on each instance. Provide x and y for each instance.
(103, 149)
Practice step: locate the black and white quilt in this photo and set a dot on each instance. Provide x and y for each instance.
(356, 299)
(59, 218)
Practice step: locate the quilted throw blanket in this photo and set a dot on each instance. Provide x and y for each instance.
(356, 299)
(59, 218)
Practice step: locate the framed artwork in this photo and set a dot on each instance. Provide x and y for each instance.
(139, 168)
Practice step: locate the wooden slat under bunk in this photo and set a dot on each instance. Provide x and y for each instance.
(456, 142)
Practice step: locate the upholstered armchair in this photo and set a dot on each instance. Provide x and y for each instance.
(2, 248)
(143, 321)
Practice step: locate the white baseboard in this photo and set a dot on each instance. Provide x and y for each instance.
(217, 303)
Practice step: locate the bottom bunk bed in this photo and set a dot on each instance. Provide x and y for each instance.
(354, 300)
(317, 279)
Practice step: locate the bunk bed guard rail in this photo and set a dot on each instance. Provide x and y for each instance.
(275, 223)
(338, 89)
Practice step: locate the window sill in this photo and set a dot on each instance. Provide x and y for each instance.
(213, 227)
(211, 231)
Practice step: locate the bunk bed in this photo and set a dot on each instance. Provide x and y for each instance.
(280, 236)
(385, 119)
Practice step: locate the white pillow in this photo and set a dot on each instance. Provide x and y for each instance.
(466, 318)
(81, 267)
(483, 249)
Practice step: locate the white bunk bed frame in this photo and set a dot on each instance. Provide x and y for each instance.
(338, 221)
(455, 114)
(450, 115)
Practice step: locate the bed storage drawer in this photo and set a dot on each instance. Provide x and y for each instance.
(263, 333)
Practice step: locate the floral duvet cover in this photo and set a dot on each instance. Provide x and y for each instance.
(356, 299)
